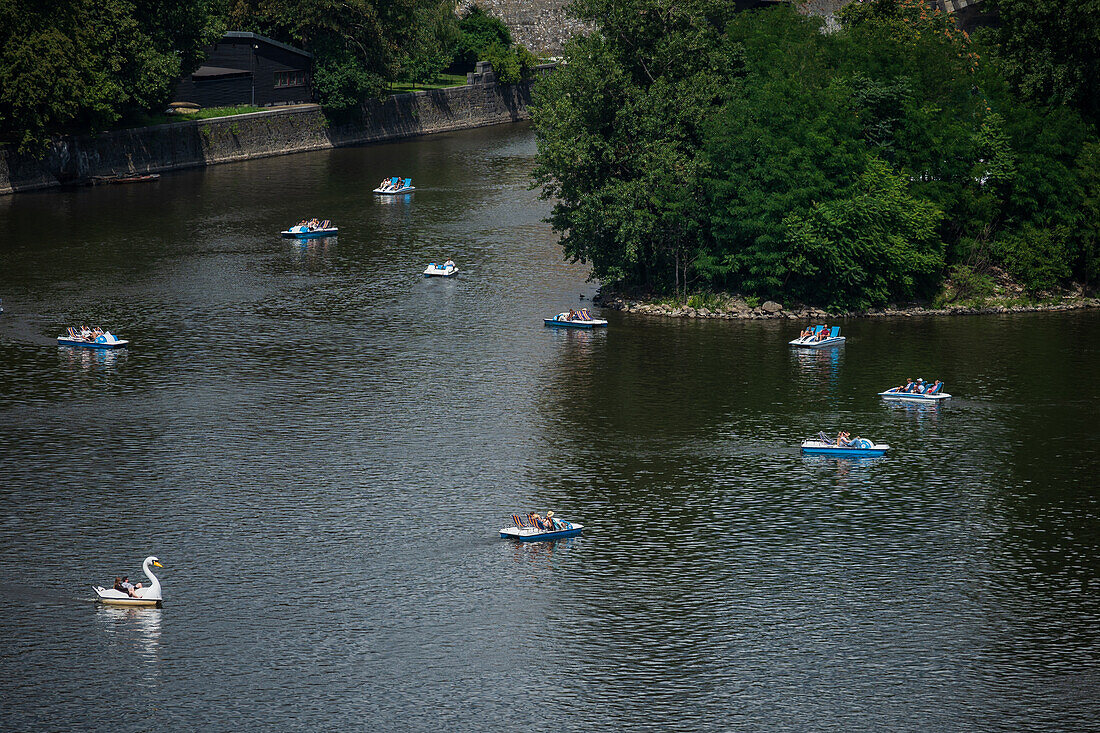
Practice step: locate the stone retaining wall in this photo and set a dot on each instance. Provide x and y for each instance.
(261, 134)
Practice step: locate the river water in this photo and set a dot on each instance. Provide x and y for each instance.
(320, 446)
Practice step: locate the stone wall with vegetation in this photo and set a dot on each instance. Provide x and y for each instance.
(196, 143)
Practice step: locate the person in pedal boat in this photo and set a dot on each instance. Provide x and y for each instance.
(127, 587)
(448, 263)
(807, 333)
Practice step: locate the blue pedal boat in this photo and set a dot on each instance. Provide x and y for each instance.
(95, 339)
(396, 186)
(304, 232)
(815, 340)
(533, 534)
(895, 396)
(579, 319)
(860, 448)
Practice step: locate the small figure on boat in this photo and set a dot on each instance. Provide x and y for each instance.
(127, 587)
(449, 263)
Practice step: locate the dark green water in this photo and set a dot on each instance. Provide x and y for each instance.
(320, 445)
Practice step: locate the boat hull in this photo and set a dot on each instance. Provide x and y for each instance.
(112, 597)
(905, 397)
(574, 324)
(410, 189)
(65, 341)
(817, 448)
(315, 234)
(440, 272)
(817, 344)
(534, 535)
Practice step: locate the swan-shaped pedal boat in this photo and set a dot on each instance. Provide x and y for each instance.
(819, 340)
(447, 269)
(575, 319)
(524, 531)
(396, 185)
(148, 596)
(91, 338)
(859, 448)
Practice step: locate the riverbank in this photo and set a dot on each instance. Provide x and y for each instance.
(302, 128)
(732, 307)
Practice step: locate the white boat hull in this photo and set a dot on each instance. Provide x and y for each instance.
(113, 597)
(391, 192)
(441, 272)
(811, 344)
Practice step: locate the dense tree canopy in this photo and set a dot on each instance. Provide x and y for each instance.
(687, 146)
(85, 64)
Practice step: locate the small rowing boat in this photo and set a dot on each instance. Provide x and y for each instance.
(818, 338)
(447, 269)
(305, 231)
(575, 319)
(857, 448)
(91, 338)
(395, 185)
(525, 530)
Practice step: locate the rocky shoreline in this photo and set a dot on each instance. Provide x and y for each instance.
(735, 308)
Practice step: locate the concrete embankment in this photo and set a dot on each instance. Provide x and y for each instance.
(261, 134)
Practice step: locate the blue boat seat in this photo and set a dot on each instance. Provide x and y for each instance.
(834, 332)
(408, 182)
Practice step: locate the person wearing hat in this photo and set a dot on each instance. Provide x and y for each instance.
(920, 386)
(550, 521)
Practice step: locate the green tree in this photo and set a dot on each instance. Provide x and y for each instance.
(1051, 50)
(76, 65)
(874, 242)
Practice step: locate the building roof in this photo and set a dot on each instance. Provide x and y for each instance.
(218, 72)
(265, 39)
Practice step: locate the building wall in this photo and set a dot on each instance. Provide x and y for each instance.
(215, 92)
(262, 134)
(236, 53)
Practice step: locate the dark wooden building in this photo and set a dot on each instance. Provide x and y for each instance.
(247, 68)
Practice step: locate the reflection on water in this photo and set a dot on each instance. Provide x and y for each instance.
(133, 630)
(821, 365)
(73, 357)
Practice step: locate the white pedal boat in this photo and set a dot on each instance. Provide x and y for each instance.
(91, 339)
(396, 186)
(448, 269)
(580, 319)
(149, 596)
(913, 396)
(860, 448)
(525, 532)
(814, 340)
(303, 232)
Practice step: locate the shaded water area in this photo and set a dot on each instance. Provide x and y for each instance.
(320, 445)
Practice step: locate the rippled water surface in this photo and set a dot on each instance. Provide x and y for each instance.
(320, 445)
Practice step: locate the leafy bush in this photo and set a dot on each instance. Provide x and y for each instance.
(1037, 258)
(479, 32)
